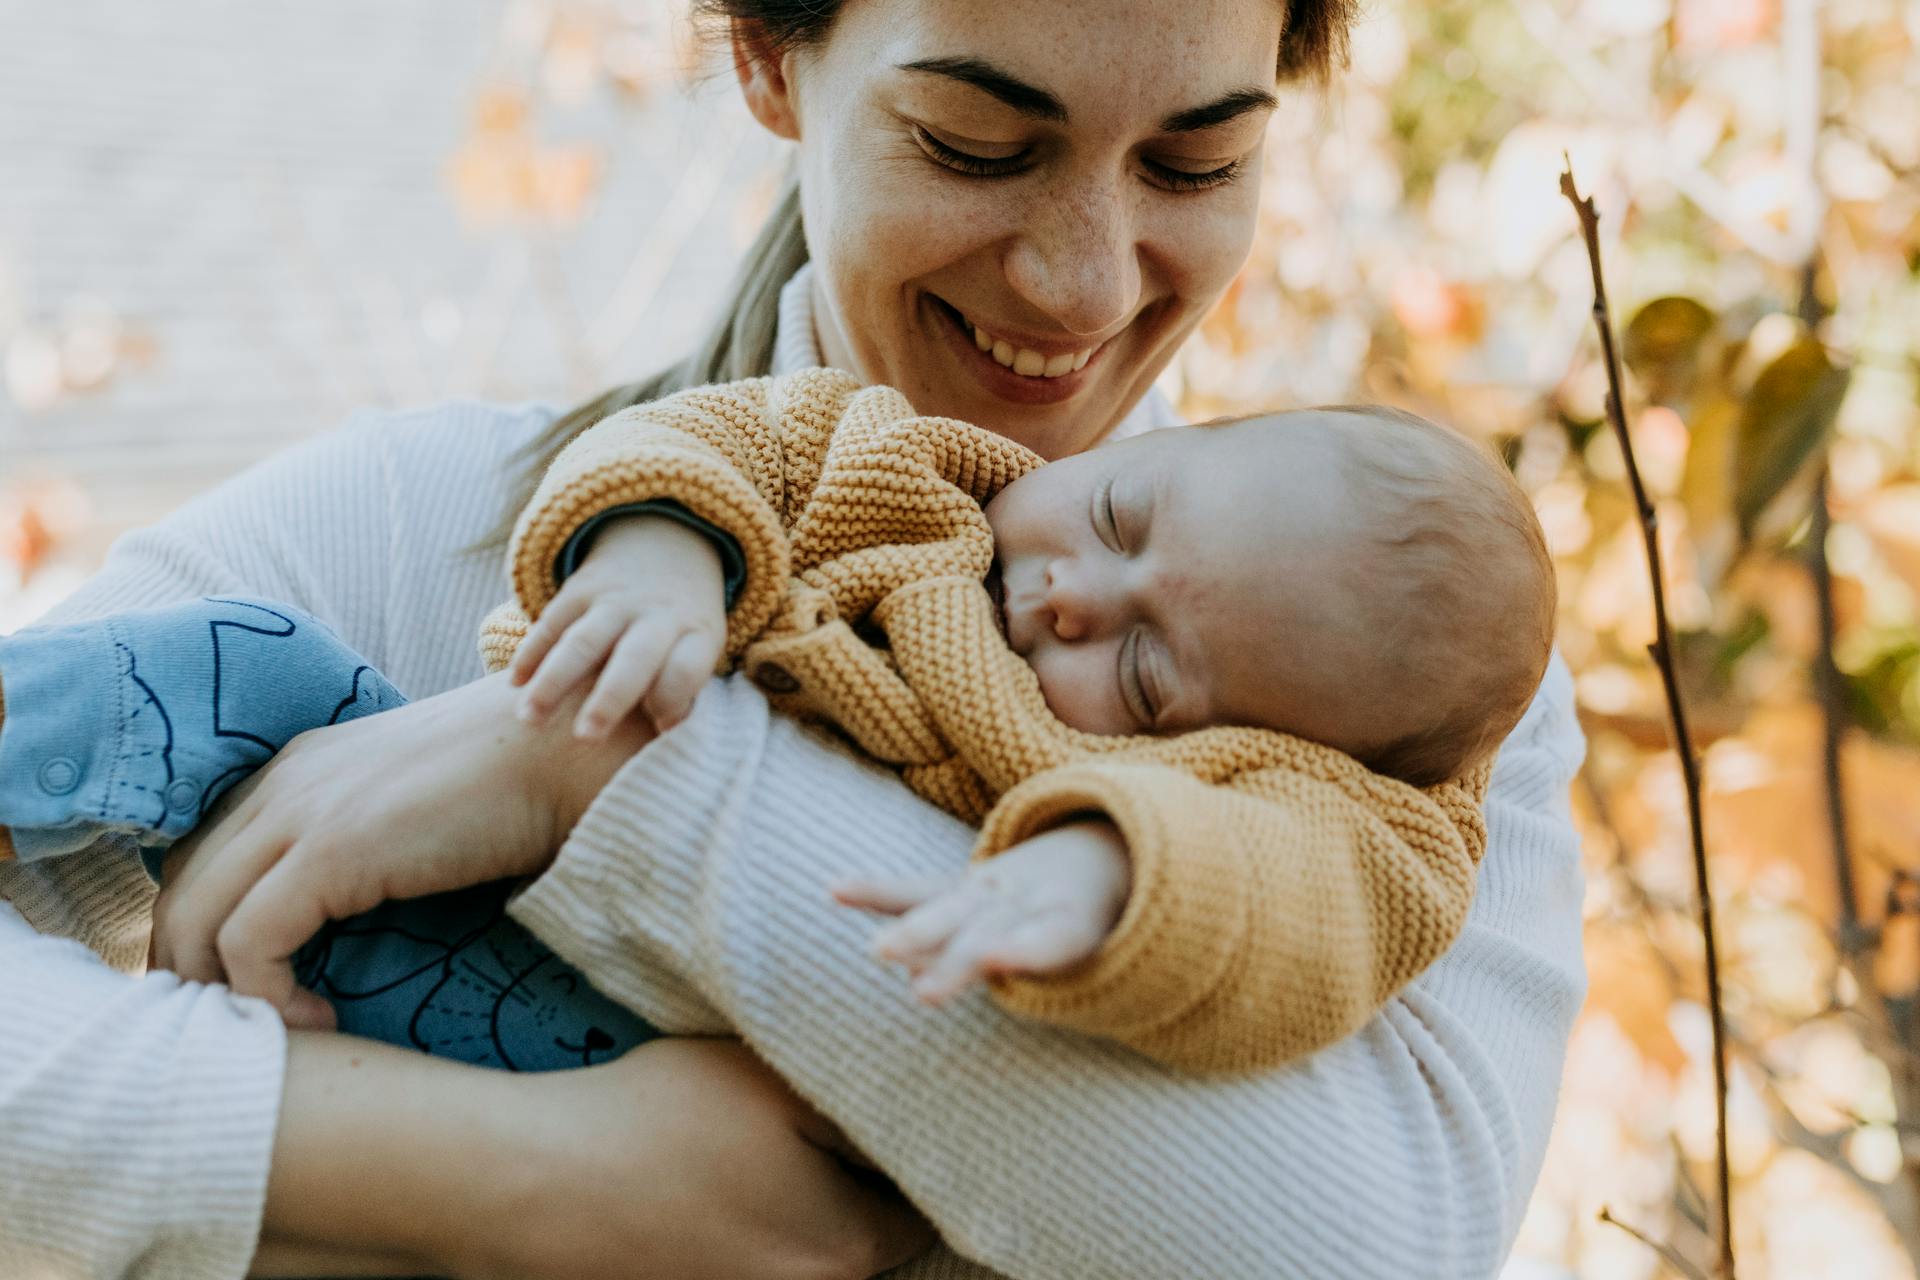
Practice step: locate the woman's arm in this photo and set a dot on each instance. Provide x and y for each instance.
(1044, 1155)
(688, 1159)
(136, 1117)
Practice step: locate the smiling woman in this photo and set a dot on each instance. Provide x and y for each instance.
(988, 192)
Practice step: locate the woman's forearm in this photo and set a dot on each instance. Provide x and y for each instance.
(1044, 1154)
(375, 1152)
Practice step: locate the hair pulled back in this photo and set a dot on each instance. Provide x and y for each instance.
(740, 342)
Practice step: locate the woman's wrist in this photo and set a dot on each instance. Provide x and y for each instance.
(382, 1156)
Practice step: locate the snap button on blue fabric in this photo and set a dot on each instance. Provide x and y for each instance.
(182, 794)
(59, 775)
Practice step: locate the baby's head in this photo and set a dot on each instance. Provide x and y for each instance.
(1353, 575)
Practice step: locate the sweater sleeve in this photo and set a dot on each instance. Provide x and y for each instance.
(720, 452)
(138, 1114)
(1047, 1155)
(1271, 915)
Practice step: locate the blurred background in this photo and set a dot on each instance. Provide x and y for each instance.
(226, 227)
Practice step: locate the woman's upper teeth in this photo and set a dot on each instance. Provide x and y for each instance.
(1030, 363)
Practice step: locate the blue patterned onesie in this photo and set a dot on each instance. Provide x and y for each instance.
(119, 735)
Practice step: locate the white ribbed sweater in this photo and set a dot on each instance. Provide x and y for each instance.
(136, 1116)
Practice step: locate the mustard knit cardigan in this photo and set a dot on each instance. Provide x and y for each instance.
(1281, 891)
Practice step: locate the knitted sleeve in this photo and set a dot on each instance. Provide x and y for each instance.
(1271, 915)
(735, 455)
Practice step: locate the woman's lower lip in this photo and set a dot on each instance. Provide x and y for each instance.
(1004, 382)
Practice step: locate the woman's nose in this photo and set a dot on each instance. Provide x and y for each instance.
(1078, 262)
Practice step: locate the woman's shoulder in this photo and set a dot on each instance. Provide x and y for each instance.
(451, 432)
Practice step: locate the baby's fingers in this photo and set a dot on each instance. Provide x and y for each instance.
(691, 660)
(629, 673)
(574, 657)
(892, 896)
(912, 939)
(964, 960)
(561, 612)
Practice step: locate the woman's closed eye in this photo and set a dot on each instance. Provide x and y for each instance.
(966, 161)
(1168, 176)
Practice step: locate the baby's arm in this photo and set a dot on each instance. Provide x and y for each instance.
(646, 611)
(1268, 916)
(1041, 907)
(721, 473)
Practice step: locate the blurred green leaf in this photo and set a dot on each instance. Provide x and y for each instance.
(1662, 346)
(1783, 422)
(1706, 485)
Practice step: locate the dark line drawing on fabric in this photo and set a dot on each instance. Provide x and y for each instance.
(165, 753)
(458, 978)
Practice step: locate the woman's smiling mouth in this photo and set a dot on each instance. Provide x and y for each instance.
(1012, 370)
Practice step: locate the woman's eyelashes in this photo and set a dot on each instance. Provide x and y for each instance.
(948, 156)
(967, 162)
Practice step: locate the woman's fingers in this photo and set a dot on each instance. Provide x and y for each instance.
(284, 908)
(217, 873)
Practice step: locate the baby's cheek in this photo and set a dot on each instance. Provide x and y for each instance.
(1079, 684)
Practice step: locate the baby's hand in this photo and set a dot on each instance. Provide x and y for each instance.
(647, 610)
(1041, 906)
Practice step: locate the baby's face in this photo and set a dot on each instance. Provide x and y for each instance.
(1189, 577)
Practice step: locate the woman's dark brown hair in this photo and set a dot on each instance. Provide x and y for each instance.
(740, 343)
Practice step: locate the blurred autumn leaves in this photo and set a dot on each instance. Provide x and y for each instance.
(1755, 164)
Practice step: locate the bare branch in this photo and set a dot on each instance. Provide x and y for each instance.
(1666, 1251)
(1662, 651)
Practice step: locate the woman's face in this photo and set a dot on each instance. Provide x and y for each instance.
(1069, 182)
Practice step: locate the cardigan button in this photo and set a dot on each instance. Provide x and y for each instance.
(59, 776)
(775, 678)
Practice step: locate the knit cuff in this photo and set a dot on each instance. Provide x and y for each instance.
(733, 561)
(629, 467)
(1184, 929)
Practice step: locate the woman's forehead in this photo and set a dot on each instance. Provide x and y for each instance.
(1071, 58)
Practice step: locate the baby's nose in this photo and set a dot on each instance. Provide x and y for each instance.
(1073, 601)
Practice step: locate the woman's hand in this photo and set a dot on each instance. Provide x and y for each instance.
(438, 795)
(686, 1158)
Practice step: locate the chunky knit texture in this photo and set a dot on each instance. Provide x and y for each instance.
(1282, 892)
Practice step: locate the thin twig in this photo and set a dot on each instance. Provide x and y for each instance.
(1666, 1251)
(1833, 716)
(1662, 651)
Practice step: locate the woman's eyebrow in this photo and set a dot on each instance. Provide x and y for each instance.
(1027, 99)
(1031, 100)
(1228, 106)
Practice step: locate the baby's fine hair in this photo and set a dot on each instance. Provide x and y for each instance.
(1462, 542)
